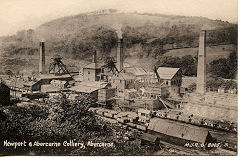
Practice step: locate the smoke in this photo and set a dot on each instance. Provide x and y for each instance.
(118, 28)
(42, 39)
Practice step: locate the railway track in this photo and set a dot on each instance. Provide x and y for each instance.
(223, 137)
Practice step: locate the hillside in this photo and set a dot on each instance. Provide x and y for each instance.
(146, 36)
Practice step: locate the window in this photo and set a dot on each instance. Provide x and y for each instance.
(142, 114)
(166, 82)
(88, 72)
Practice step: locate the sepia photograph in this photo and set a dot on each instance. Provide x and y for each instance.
(118, 77)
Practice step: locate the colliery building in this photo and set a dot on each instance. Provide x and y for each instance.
(131, 87)
(179, 133)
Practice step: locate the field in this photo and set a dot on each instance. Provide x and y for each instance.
(213, 52)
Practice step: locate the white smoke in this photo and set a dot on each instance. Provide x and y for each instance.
(118, 28)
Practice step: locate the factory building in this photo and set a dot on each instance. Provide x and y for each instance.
(140, 74)
(32, 86)
(93, 71)
(172, 78)
(121, 82)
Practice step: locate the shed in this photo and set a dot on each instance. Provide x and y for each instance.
(148, 139)
(178, 133)
(89, 87)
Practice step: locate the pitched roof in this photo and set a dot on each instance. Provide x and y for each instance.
(29, 83)
(137, 71)
(148, 137)
(179, 130)
(93, 66)
(167, 72)
(124, 76)
(88, 86)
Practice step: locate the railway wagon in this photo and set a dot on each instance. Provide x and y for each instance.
(142, 127)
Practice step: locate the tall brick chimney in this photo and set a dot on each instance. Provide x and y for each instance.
(201, 69)
(42, 58)
(94, 58)
(120, 55)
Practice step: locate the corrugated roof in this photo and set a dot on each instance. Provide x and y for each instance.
(94, 66)
(137, 71)
(88, 86)
(179, 130)
(167, 72)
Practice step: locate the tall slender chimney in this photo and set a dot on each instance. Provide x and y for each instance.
(120, 55)
(42, 58)
(201, 69)
(94, 59)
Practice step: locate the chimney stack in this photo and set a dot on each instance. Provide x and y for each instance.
(42, 58)
(94, 59)
(201, 69)
(120, 55)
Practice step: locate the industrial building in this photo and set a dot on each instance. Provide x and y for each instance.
(89, 88)
(179, 133)
(172, 78)
(93, 71)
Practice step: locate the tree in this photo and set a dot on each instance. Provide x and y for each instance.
(225, 68)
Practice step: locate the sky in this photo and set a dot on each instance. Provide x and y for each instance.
(16, 15)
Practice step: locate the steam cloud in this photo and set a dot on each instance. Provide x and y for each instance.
(118, 28)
